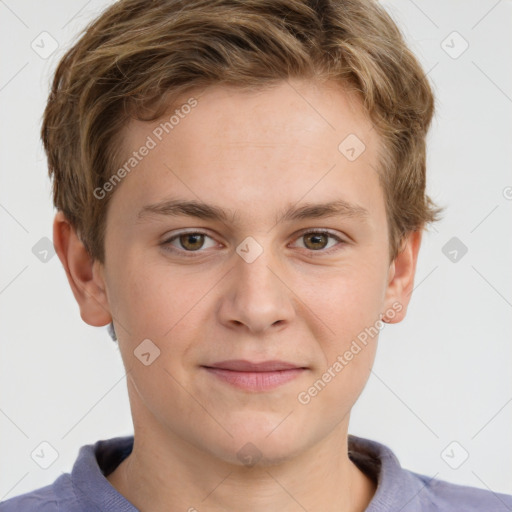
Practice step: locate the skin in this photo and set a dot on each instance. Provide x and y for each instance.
(254, 154)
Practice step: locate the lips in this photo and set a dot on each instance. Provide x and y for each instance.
(241, 365)
(252, 376)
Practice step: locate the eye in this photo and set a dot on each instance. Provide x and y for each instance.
(319, 241)
(189, 242)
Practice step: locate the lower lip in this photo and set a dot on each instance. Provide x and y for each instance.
(256, 381)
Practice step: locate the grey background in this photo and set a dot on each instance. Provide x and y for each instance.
(441, 387)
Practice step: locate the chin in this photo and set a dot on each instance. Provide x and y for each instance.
(260, 454)
(258, 443)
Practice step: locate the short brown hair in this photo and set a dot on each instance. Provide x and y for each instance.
(140, 51)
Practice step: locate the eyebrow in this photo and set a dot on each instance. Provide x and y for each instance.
(200, 210)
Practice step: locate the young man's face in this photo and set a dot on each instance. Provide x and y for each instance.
(252, 287)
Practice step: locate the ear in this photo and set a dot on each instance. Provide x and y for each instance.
(401, 278)
(85, 275)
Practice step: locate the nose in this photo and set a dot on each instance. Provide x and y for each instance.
(256, 297)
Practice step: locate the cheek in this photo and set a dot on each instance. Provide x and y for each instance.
(334, 391)
(349, 304)
(153, 298)
(348, 298)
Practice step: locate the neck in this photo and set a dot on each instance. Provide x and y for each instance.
(163, 473)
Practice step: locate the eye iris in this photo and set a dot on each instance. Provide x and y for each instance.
(317, 240)
(192, 241)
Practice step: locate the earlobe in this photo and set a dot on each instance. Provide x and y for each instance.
(83, 273)
(401, 278)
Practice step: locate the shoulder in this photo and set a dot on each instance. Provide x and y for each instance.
(404, 490)
(52, 498)
(448, 497)
(86, 488)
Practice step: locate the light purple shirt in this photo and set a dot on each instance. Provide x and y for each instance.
(86, 489)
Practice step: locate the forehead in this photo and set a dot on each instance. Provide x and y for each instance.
(247, 148)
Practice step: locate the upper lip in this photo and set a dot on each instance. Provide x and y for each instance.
(241, 365)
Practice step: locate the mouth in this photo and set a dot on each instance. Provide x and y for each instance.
(252, 376)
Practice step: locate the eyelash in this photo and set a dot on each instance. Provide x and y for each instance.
(194, 254)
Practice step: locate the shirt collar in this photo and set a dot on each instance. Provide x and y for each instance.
(397, 489)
